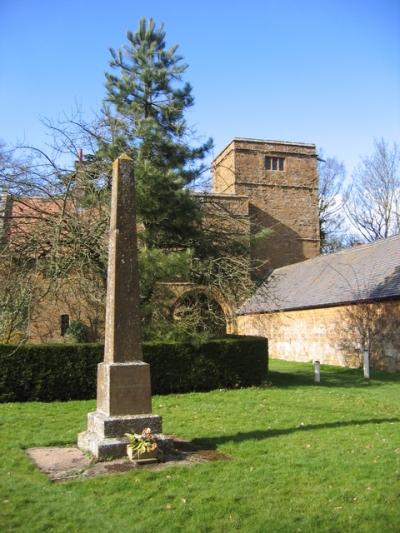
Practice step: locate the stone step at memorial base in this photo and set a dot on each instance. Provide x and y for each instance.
(105, 436)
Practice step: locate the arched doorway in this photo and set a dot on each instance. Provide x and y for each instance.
(205, 306)
(201, 313)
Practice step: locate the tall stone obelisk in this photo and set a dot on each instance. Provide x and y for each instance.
(123, 379)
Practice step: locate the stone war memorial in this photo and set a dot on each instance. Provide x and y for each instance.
(123, 379)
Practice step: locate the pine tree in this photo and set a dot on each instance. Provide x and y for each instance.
(148, 99)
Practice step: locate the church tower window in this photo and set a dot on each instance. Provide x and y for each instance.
(275, 163)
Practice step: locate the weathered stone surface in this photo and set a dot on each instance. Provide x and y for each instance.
(59, 463)
(124, 388)
(123, 379)
(319, 334)
(123, 331)
(102, 448)
(285, 202)
(114, 426)
(105, 436)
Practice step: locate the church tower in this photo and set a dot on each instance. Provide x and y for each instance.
(281, 182)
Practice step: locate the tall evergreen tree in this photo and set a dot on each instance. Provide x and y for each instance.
(148, 99)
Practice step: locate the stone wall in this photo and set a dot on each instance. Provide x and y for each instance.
(72, 299)
(329, 335)
(223, 171)
(226, 213)
(283, 201)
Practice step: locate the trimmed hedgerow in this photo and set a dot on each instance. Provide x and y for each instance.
(68, 371)
(48, 372)
(229, 362)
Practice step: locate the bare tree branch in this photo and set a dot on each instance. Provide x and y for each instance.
(373, 200)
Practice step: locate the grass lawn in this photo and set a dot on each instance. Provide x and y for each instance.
(305, 458)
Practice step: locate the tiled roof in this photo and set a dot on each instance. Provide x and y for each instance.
(366, 272)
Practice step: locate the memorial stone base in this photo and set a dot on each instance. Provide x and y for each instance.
(105, 436)
(123, 406)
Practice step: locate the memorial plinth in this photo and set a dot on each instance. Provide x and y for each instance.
(123, 379)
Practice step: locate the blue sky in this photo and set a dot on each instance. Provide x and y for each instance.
(323, 71)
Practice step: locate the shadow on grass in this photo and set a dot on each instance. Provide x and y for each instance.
(213, 442)
(331, 377)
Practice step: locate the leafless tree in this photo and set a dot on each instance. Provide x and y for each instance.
(55, 232)
(373, 200)
(331, 174)
(370, 326)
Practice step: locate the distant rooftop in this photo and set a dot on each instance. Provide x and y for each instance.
(370, 272)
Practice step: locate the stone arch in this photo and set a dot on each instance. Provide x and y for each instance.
(182, 290)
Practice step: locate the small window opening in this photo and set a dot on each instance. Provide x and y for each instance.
(64, 324)
(274, 163)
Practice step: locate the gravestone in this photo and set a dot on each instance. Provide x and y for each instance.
(123, 379)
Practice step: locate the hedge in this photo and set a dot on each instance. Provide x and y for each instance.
(52, 372)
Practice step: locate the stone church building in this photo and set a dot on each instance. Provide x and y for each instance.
(277, 183)
(310, 307)
(271, 187)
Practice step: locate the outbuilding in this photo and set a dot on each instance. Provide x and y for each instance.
(332, 307)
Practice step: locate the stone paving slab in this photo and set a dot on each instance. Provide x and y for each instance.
(65, 464)
(59, 463)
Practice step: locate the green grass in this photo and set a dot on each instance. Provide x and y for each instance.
(305, 458)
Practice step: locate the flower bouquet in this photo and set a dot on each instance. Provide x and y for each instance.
(143, 447)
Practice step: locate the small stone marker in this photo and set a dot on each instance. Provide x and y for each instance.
(366, 363)
(317, 372)
(123, 379)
